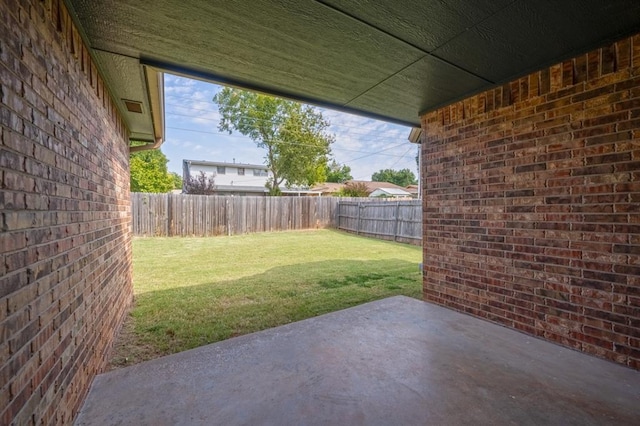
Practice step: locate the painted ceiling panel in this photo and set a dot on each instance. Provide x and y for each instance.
(528, 35)
(425, 24)
(389, 59)
(439, 83)
(298, 47)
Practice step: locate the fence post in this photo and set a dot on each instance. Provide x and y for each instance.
(169, 216)
(228, 218)
(397, 218)
(176, 214)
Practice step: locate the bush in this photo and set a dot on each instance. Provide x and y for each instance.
(200, 185)
(354, 189)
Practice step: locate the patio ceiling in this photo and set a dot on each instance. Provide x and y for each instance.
(388, 59)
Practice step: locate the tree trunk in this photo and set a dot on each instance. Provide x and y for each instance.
(276, 185)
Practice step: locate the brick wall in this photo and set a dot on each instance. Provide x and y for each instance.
(65, 280)
(532, 203)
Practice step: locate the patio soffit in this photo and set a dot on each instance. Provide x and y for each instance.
(387, 59)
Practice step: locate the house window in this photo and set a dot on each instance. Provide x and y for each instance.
(240, 171)
(221, 170)
(259, 172)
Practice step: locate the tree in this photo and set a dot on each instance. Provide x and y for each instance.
(337, 173)
(177, 180)
(293, 135)
(149, 172)
(404, 177)
(200, 184)
(354, 189)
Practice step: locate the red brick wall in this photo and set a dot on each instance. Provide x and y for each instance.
(532, 203)
(65, 280)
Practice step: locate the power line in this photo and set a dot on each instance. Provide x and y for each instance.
(211, 102)
(294, 143)
(378, 153)
(188, 98)
(394, 164)
(214, 120)
(403, 155)
(349, 132)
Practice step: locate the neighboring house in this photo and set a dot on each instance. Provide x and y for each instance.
(390, 193)
(237, 178)
(372, 186)
(328, 188)
(414, 190)
(375, 189)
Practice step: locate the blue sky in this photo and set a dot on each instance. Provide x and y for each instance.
(364, 144)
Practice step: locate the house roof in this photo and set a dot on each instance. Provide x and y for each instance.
(413, 189)
(262, 189)
(388, 59)
(328, 187)
(224, 164)
(372, 186)
(392, 191)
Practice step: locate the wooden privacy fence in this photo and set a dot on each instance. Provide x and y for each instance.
(168, 215)
(209, 215)
(390, 220)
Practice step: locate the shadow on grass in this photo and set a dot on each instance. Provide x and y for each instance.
(186, 316)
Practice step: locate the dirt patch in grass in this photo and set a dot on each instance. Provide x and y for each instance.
(129, 349)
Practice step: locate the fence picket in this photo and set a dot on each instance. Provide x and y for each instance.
(390, 220)
(202, 215)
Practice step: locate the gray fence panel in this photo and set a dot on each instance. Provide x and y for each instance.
(390, 220)
(210, 215)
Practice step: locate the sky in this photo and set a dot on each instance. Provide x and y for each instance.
(191, 124)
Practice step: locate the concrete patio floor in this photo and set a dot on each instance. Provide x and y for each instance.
(397, 361)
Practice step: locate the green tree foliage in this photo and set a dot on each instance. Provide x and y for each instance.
(354, 189)
(294, 136)
(337, 173)
(402, 177)
(177, 180)
(149, 172)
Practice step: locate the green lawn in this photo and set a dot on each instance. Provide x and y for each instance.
(194, 291)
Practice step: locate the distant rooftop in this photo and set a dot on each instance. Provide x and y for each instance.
(394, 191)
(330, 187)
(372, 186)
(225, 164)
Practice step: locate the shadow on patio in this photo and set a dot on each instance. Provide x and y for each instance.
(393, 361)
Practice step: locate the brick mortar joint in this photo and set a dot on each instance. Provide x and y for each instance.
(448, 111)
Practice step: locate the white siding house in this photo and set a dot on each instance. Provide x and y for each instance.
(237, 178)
(390, 193)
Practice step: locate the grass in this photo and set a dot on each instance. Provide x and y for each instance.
(194, 291)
